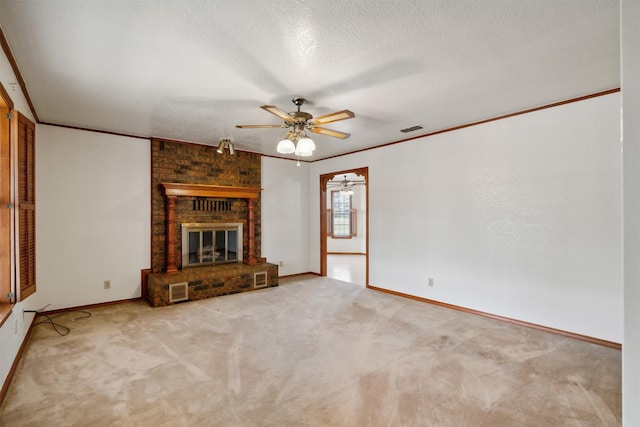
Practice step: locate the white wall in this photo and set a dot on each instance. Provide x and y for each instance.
(14, 330)
(93, 216)
(10, 83)
(285, 215)
(630, 43)
(519, 217)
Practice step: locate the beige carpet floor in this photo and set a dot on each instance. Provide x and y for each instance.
(311, 352)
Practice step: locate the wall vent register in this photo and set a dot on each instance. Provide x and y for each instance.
(260, 279)
(179, 292)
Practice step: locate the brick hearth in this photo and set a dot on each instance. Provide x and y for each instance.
(207, 282)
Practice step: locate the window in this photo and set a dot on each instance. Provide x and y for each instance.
(341, 217)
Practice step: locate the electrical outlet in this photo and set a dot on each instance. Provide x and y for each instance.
(107, 284)
(431, 282)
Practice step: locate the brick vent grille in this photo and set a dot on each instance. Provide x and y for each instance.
(212, 205)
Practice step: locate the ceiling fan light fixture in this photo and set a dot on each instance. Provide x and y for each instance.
(296, 141)
(305, 147)
(286, 147)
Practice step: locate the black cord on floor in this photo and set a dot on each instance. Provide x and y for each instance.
(60, 329)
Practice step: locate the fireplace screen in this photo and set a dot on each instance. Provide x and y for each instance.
(209, 244)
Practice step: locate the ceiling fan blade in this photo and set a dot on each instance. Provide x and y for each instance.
(342, 184)
(278, 112)
(330, 132)
(259, 126)
(334, 117)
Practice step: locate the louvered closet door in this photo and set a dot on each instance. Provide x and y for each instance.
(26, 204)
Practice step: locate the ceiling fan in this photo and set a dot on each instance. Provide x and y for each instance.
(301, 120)
(344, 185)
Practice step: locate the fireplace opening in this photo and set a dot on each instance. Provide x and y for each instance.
(211, 243)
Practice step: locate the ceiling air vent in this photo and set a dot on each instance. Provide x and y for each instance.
(411, 129)
(179, 292)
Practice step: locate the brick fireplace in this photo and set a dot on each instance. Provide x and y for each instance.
(192, 184)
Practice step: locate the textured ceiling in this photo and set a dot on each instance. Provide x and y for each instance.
(193, 70)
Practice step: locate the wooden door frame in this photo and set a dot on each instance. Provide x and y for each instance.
(324, 179)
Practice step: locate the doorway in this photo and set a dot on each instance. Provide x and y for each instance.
(344, 225)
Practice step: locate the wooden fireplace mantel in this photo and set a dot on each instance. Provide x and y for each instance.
(203, 190)
(173, 190)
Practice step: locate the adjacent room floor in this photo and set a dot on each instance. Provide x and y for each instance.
(347, 267)
(311, 352)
